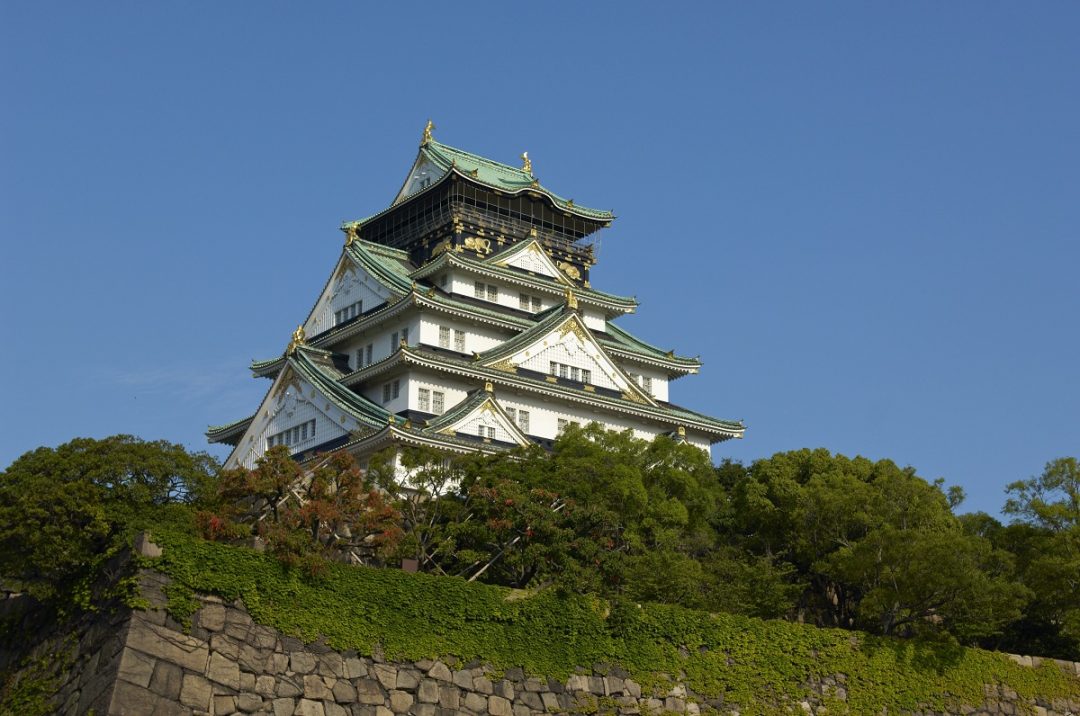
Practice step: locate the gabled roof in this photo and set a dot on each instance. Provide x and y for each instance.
(478, 401)
(667, 412)
(532, 246)
(388, 266)
(566, 320)
(623, 342)
(503, 177)
(616, 305)
(229, 432)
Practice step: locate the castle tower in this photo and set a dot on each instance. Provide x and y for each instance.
(462, 317)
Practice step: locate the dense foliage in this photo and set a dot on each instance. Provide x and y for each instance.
(804, 535)
(749, 661)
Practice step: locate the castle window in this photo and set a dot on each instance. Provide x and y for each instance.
(438, 402)
(444, 337)
(511, 413)
(348, 313)
(386, 393)
(523, 420)
(492, 293)
(393, 341)
(396, 389)
(535, 304)
(293, 436)
(487, 432)
(459, 341)
(367, 354)
(478, 289)
(405, 335)
(423, 399)
(528, 303)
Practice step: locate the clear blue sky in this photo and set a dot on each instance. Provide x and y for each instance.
(863, 216)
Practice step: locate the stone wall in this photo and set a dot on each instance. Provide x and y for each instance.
(142, 663)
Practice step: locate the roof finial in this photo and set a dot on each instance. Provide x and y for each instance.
(527, 167)
(352, 233)
(571, 299)
(427, 133)
(488, 387)
(297, 340)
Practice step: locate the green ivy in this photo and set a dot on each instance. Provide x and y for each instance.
(741, 659)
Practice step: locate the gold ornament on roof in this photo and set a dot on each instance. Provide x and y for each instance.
(427, 133)
(297, 340)
(488, 387)
(352, 233)
(527, 166)
(571, 299)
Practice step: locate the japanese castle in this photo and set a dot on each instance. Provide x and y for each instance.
(462, 318)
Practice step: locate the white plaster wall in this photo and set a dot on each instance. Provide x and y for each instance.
(352, 285)
(282, 410)
(594, 320)
(659, 379)
(509, 294)
(380, 339)
(478, 337)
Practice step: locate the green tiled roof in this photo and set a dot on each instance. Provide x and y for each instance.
(325, 379)
(626, 341)
(667, 411)
(503, 177)
(458, 411)
(548, 320)
(390, 267)
(215, 433)
(587, 294)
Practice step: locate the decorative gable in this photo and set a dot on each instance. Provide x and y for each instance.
(567, 350)
(293, 414)
(481, 416)
(423, 174)
(350, 292)
(530, 256)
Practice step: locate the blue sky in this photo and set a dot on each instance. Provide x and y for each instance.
(863, 216)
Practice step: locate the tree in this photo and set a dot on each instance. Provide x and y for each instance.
(62, 509)
(1045, 536)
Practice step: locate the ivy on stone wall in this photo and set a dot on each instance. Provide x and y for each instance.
(742, 659)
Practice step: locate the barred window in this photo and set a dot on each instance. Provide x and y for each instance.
(438, 402)
(523, 420)
(478, 289)
(459, 341)
(444, 337)
(395, 389)
(423, 399)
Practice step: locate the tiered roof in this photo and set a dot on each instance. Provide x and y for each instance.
(408, 286)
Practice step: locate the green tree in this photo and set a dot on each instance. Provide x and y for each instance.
(62, 509)
(1045, 536)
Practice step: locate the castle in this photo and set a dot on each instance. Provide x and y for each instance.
(462, 317)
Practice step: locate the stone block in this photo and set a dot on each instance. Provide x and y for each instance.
(498, 706)
(535, 685)
(226, 645)
(400, 702)
(249, 703)
(284, 707)
(440, 672)
(195, 692)
(332, 664)
(162, 643)
(289, 686)
(263, 637)
(131, 700)
(211, 617)
(167, 680)
(145, 548)
(354, 668)
(386, 674)
(333, 709)
(428, 693)
(505, 689)
(408, 679)
(254, 659)
(483, 685)
(532, 700)
(596, 686)
(424, 710)
(315, 688)
(577, 682)
(247, 681)
(551, 701)
(613, 685)
(224, 704)
(368, 691)
(136, 667)
(449, 697)
(301, 662)
(463, 678)
(223, 670)
(632, 688)
(522, 710)
(307, 707)
(344, 692)
(265, 685)
(279, 663)
(475, 703)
